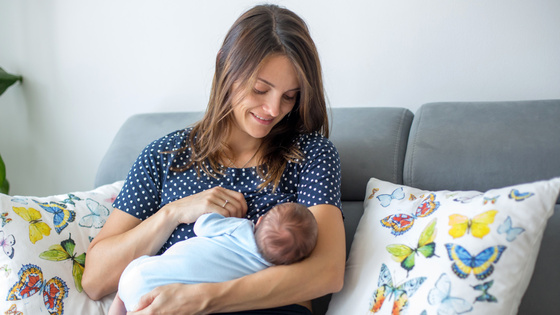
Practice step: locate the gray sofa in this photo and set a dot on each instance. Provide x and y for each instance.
(442, 146)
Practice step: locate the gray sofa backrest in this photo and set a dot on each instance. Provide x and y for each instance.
(484, 145)
(452, 146)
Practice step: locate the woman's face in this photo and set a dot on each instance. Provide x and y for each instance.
(271, 98)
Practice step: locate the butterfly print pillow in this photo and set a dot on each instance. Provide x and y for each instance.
(44, 242)
(444, 252)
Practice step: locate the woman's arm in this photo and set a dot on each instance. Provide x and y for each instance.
(122, 239)
(320, 274)
(125, 237)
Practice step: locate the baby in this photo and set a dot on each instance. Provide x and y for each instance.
(224, 249)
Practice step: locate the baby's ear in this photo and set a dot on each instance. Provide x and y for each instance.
(259, 221)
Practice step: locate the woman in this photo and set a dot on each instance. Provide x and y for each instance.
(259, 144)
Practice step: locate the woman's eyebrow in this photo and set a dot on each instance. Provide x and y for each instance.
(272, 85)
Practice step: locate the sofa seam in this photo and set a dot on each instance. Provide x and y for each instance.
(396, 149)
(413, 146)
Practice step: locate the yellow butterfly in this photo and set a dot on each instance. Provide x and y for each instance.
(478, 225)
(37, 228)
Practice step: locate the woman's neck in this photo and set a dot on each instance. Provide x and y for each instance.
(244, 151)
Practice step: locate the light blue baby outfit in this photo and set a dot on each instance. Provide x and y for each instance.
(224, 249)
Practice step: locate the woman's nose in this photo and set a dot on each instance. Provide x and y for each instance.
(272, 105)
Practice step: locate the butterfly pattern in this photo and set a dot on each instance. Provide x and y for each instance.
(478, 226)
(97, 216)
(405, 255)
(5, 219)
(440, 296)
(400, 223)
(485, 296)
(65, 251)
(510, 232)
(6, 270)
(62, 215)
(31, 282)
(491, 200)
(7, 242)
(519, 196)
(13, 311)
(481, 265)
(373, 192)
(37, 228)
(387, 290)
(70, 199)
(385, 199)
(466, 199)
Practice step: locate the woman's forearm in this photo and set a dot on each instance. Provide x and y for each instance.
(122, 239)
(320, 274)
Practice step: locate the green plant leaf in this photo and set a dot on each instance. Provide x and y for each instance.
(4, 185)
(6, 80)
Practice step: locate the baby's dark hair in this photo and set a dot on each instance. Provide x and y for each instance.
(286, 234)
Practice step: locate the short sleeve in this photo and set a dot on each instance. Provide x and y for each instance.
(320, 176)
(141, 193)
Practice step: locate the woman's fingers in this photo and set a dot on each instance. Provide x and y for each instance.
(226, 202)
(232, 202)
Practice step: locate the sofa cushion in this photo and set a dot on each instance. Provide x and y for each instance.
(445, 251)
(44, 241)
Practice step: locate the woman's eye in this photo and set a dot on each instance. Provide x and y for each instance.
(290, 98)
(258, 91)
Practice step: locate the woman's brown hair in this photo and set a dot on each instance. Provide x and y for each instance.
(261, 32)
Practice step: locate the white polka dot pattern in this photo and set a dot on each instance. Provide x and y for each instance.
(151, 184)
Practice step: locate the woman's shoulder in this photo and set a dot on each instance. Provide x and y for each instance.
(311, 143)
(170, 142)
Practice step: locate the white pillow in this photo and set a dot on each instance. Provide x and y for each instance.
(44, 240)
(444, 252)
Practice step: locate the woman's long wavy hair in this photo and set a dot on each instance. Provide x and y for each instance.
(261, 32)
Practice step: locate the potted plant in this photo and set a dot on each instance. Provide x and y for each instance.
(6, 80)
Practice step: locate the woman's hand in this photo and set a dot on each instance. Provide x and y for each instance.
(226, 202)
(174, 299)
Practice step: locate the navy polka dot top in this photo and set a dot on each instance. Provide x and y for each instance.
(151, 184)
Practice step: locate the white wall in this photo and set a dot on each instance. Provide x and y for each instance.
(88, 65)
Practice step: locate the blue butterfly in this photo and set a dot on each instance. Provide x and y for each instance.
(519, 196)
(20, 200)
(511, 232)
(386, 199)
(97, 217)
(481, 265)
(70, 199)
(485, 297)
(62, 215)
(440, 295)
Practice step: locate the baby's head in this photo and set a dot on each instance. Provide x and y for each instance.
(286, 234)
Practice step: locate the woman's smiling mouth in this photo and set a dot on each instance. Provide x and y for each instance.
(262, 120)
